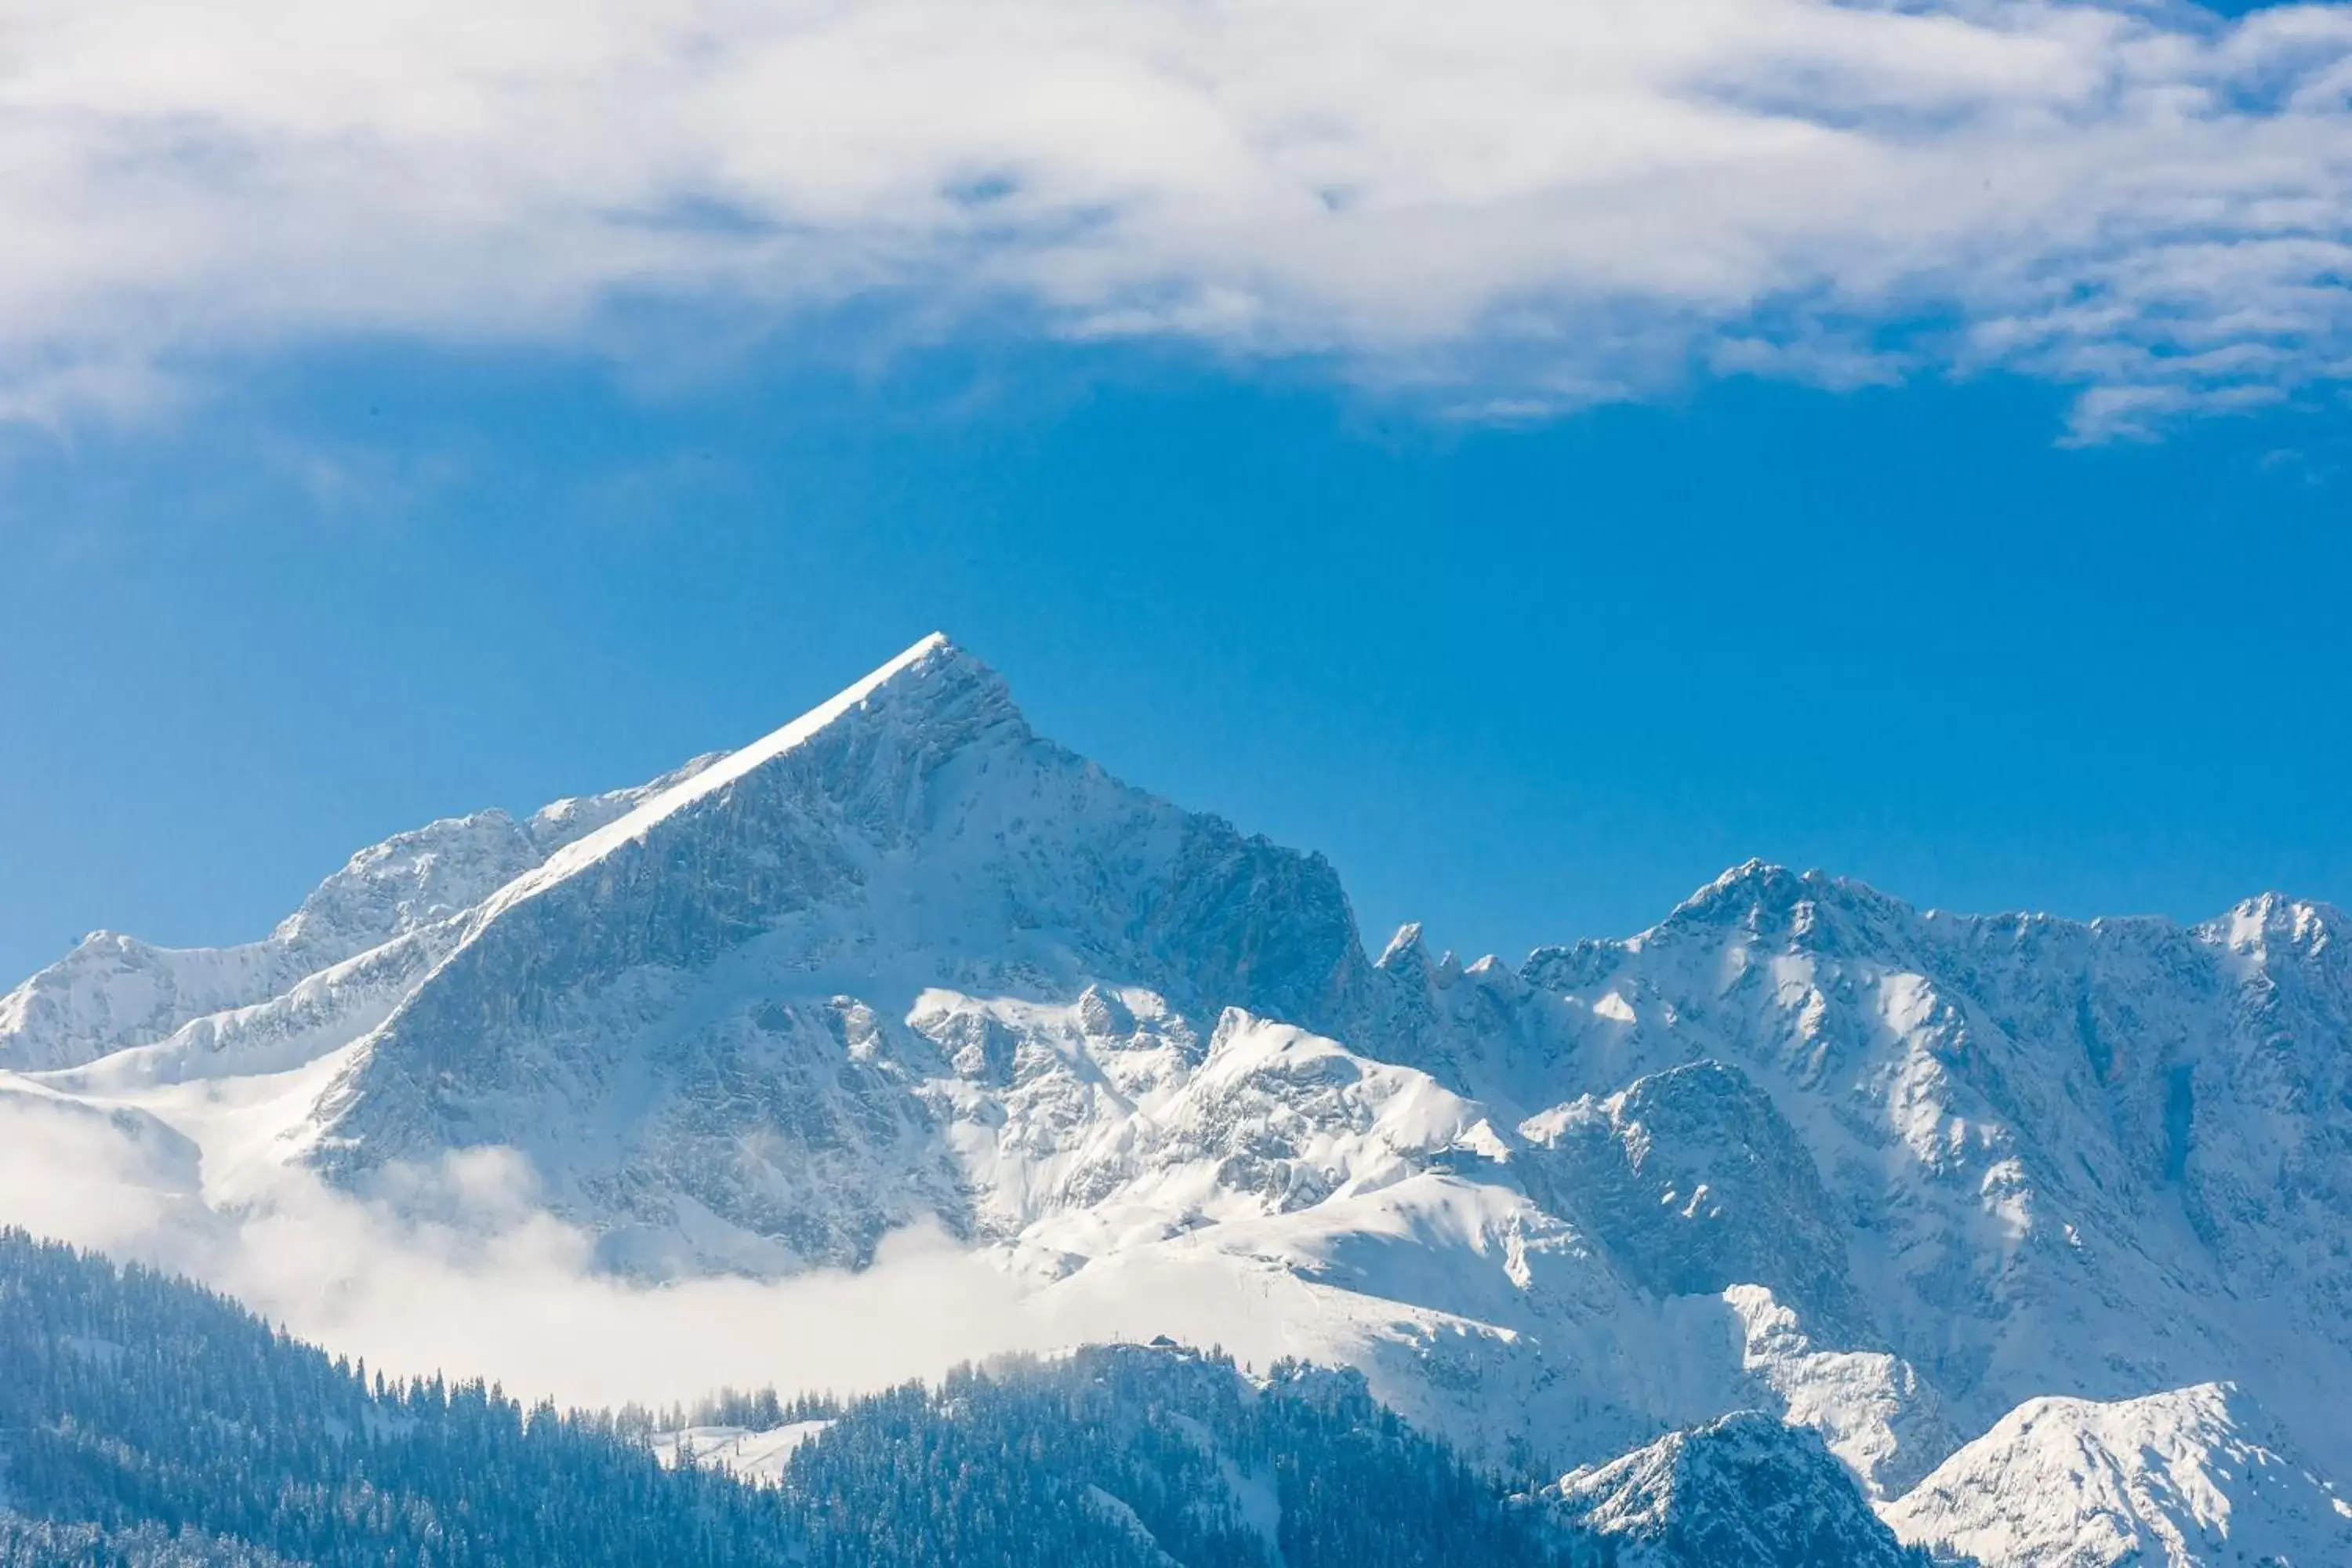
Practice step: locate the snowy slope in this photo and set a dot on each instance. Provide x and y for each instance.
(2097, 1159)
(714, 990)
(760, 1457)
(1744, 1489)
(114, 991)
(1884, 1173)
(2176, 1479)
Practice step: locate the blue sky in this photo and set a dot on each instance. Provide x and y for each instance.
(1525, 683)
(1537, 473)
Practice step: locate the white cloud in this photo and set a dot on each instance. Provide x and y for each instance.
(455, 1269)
(1514, 203)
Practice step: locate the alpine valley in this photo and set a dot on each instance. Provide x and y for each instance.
(1804, 1226)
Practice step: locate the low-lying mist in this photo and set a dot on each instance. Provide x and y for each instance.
(492, 1285)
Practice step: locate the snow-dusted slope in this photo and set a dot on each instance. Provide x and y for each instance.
(760, 1457)
(1744, 1489)
(1885, 1173)
(2092, 1159)
(2177, 1478)
(712, 992)
(114, 991)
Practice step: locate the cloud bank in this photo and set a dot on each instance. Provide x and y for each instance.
(468, 1276)
(1503, 204)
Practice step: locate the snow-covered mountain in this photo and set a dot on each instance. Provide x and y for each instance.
(1884, 1174)
(1746, 1489)
(394, 904)
(2174, 1478)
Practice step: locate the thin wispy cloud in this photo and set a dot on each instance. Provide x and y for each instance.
(1503, 204)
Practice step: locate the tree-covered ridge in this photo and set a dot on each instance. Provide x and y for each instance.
(130, 1399)
(147, 1422)
(1132, 1453)
(45, 1544)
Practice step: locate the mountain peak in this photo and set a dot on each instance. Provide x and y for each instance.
(1752, 881)
(1403, 949)
(1753, 891)
(1743, 1488)
(1812, 907)
(2177, 1478)
(934, 695)
(909, 833)
(2254, 924)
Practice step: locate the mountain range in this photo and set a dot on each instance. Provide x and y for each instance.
(2038, 1234)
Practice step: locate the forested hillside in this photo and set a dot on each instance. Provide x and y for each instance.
(146, 1423)
(1115, 1447)
(129, 1399)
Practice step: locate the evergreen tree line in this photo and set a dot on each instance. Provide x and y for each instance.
(1117, 1455)
(45, 1544)
(754, 1410)
(146, 1423)
(129, 1399)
